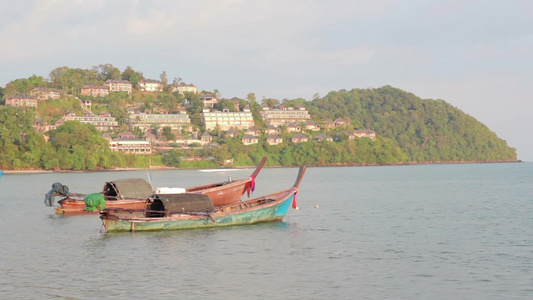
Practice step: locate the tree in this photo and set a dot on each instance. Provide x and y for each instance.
(172, 158)
(255, 108)
(167, 133)
(107, 71)
(251, 97)
(164, 80)
(225, 103)
(132, 76)
(270, 102)
(79, 146)
(24, 85)
(127, 73)
(20, 145)
(71, 81)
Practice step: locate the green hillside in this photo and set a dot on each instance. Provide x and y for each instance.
(426, 130)
(409, 130)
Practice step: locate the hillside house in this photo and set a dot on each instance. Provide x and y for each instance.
(323, 137)
(337, 123)
(182, 88)
(293, 127)
(274, 139)
(230, 133)
(209, 100)
(299, 138)
(285, 116)
(206, 139)
(94, 90)
(44, 93)
(312, 126)
(22, 100)
(119, 86)
(249, 139)
(148, 136)
(253, 131)
(272, 130)
(150, 85)
(364, 133)
(131, 145)
(126, 134)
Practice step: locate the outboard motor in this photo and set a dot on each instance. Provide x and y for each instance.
(57, 190)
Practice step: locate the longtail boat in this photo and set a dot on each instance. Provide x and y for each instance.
(131, 193)
(189, 211)
(136, 193)
(228, 192)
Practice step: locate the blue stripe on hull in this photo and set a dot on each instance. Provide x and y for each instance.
(282, 210)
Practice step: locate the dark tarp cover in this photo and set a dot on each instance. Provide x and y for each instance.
(133, 188)
(186, 203)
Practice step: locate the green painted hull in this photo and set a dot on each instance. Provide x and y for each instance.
(273, 212)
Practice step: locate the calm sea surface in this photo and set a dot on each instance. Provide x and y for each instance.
(402, 232)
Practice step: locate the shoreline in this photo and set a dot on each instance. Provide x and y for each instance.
(38, 171)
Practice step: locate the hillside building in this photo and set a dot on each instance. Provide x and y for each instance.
(182, 88)
(285, 116)
(22, 100)
(225, 119)
(174, 121)
(44, 93)
(102, 122)
(94, 90)
(119, 86)
(150, 85)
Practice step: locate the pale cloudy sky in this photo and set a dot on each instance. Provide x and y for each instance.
(476, 55)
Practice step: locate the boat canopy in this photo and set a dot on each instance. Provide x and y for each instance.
(132, 188)
(183, 203)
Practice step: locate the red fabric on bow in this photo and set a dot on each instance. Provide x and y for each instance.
(251, 187)
(294, 198)
(253, 183)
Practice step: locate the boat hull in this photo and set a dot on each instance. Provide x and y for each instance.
(74, 206)
(220, 193)
(225, 194)
(238, 214)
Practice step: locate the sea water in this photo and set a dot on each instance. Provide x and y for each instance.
(456, 231)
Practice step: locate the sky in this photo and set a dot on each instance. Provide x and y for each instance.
(476, 55)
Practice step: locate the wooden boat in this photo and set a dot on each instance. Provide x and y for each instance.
(189, 210)
(131, 193)
(229, 192)
(136, 193)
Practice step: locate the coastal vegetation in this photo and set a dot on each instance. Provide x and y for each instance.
(426, 130)
(409, 129)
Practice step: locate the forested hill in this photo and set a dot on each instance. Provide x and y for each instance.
(426, 130)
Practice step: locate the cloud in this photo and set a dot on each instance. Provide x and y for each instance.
(46, 28)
